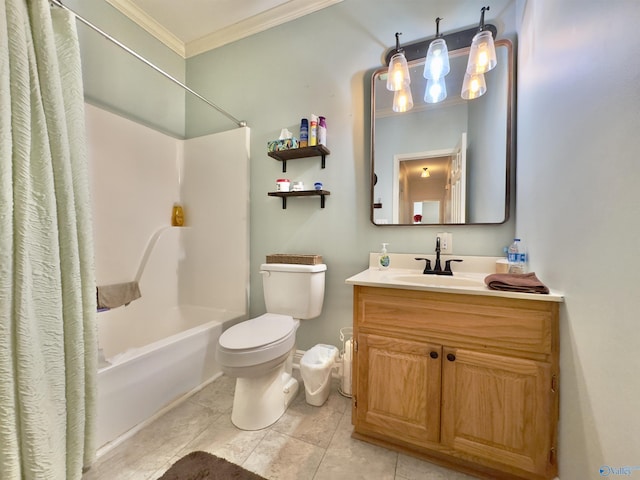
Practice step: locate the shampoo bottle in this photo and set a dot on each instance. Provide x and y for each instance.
(177, 215)
(383, 258)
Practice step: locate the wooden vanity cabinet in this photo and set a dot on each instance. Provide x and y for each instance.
(468, 381)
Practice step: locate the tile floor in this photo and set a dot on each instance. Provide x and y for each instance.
(306, 443)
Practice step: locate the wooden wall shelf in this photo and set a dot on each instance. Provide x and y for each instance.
(300, 193)
(302, 152)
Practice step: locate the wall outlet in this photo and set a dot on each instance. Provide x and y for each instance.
(446, 242)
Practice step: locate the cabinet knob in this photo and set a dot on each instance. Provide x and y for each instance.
(433, 355)
(451, 357)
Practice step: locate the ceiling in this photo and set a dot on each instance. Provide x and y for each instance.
(190, 27)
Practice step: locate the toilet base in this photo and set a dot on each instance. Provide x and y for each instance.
(260, 402)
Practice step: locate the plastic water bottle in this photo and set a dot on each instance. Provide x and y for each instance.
(517, 257)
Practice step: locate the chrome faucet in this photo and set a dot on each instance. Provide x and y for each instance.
(437, 269)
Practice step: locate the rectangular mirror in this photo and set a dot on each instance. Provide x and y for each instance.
(444, 163)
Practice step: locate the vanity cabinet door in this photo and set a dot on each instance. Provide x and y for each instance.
(498, 408)
(398, 388)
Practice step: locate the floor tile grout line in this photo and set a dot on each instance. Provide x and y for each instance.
(324, 453)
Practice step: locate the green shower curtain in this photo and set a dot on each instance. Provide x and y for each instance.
(47, 288)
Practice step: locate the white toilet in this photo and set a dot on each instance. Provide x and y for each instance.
(259, 351)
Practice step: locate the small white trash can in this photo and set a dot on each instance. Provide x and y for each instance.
(315, 367)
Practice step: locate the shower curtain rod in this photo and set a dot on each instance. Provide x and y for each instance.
(58, 3)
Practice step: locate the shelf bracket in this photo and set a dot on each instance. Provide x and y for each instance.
(284, 203)
(321, 201)
(322, 166)
(284, 166)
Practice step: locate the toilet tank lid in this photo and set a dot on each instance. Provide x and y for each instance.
(290, 267)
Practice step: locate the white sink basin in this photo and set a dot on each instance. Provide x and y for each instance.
(459, 280)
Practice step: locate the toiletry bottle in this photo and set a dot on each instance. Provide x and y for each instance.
(177, 215)
(304, 133)
(313, 131)
(322, 131)
(383, 258)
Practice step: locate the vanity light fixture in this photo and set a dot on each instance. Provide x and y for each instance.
(398, 74)
(436, 63)
(425, 173)
(436, 67)
(482, 56)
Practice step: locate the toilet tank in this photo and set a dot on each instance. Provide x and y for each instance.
(296, 290)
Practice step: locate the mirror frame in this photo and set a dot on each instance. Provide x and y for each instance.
(510, 140)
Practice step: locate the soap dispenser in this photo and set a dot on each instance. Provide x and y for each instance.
(383, 258)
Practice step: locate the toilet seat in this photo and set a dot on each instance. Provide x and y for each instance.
(257, 341)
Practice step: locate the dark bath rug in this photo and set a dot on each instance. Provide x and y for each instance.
(204, 466)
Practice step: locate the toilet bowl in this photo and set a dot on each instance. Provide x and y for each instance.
(256, 346)
(259, 352)
(256, 352)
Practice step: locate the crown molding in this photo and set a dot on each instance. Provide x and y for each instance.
(138, 16)
(291, 10)
(271, 18)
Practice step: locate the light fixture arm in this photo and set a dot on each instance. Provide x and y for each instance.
(482, 10)
(398, 49)
(438, 34)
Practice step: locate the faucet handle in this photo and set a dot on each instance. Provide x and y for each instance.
(447, 265)
(427, 267)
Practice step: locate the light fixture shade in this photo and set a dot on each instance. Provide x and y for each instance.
(402, 99)
(436, 64)
(398, 74)
(482, 56)
(473, 86)
(436, 90)
(425, 173)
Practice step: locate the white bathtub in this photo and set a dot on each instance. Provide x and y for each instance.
(141, 381)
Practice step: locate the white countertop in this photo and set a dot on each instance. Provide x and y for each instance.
(471, 282)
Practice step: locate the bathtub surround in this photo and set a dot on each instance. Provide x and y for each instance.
(48, 356)
(193, 279)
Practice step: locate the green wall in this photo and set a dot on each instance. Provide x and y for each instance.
(117, 81)
(321, 64)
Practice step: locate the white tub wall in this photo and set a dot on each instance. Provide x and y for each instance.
(134, 182)
(136, 174)
(152, 316)
(215, 191)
